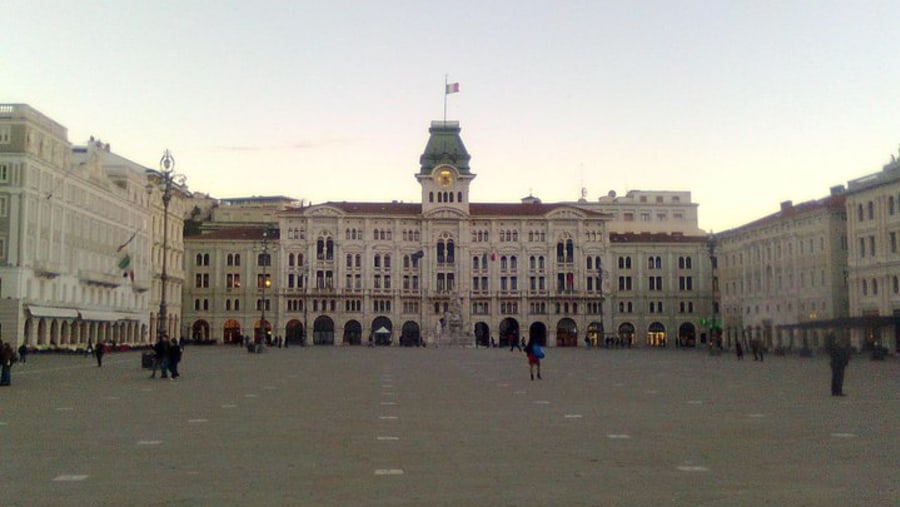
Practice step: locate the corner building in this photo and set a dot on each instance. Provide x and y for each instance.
(446, 270)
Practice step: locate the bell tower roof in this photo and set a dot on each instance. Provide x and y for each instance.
(444, 146)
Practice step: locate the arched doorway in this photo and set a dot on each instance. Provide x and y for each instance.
(382, 330)
(566, 333)
(537, 333)
(687, 335)
(482, 334)
(293, 332)
(656, 335)
(200, 331)
(410, 335)
(352, 333)
(231, 331)
(595, 333)
(258, 333)
(323, 331)
(626, 334)
(509, 332)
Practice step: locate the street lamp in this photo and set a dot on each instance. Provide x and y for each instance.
(168, 180)
(715, 327)
(264, 283)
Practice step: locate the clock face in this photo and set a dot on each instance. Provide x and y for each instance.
(445, 177)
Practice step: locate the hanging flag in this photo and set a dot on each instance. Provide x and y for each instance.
(452, 88)
(124, 263)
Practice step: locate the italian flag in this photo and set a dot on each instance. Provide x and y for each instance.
(452, 88)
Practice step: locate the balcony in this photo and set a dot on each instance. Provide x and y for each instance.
(97, 278)
(47, 269)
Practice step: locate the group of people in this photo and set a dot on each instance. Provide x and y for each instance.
(166, 357)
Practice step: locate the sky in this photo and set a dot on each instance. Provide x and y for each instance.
(743, 103)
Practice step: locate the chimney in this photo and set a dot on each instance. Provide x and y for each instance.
(786, 205)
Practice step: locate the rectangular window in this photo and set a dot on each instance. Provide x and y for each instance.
(3, 205)
(5, 134)
(893, 238)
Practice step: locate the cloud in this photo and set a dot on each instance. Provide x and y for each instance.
(302, 145)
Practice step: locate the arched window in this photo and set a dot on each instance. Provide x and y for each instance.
(513, 264)
(450, 251)
(290, 259)
(237, 259)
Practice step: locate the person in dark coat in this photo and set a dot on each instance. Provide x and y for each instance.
(739, 349)
(23, 352)
(840, 356)
(98, 352)
(174, 358)
(160, 358)
(7, 358)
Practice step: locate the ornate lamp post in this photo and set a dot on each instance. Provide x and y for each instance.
(715, 327)
(264, 283)
(168, 180)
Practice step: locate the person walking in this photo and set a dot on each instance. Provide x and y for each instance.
(840, 356)
(23, 353)
(174, 359)
(535, 353)
(7, 358)
(98, 352)
(514, 343)
(739, 349)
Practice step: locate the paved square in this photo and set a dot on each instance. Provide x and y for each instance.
(342, 426)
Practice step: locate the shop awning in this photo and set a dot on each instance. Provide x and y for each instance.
(50, 311)
(104, 316)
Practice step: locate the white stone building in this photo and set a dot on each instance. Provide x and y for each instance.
(781, 278)
(450, 271)
(873, 264)
(79, 239)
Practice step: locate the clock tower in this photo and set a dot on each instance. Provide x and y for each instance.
(444, 173)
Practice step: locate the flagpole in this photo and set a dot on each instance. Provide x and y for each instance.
(445, 99)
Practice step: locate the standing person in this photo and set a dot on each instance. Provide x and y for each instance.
(99, 351)
(514, 343)
(739, 349)
(535, 353)
(160, 349)
(23, 352)
(7, 357)
(174, 358)
(840, 356)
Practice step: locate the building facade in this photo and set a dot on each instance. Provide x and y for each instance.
(446, 270)
(873, 264)
(78, 239)
(781, 278)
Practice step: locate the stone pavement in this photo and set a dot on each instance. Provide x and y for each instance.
(347, 426)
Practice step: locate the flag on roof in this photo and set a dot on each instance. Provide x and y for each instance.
(452, 88)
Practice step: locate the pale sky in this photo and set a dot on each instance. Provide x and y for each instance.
(743, 103)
